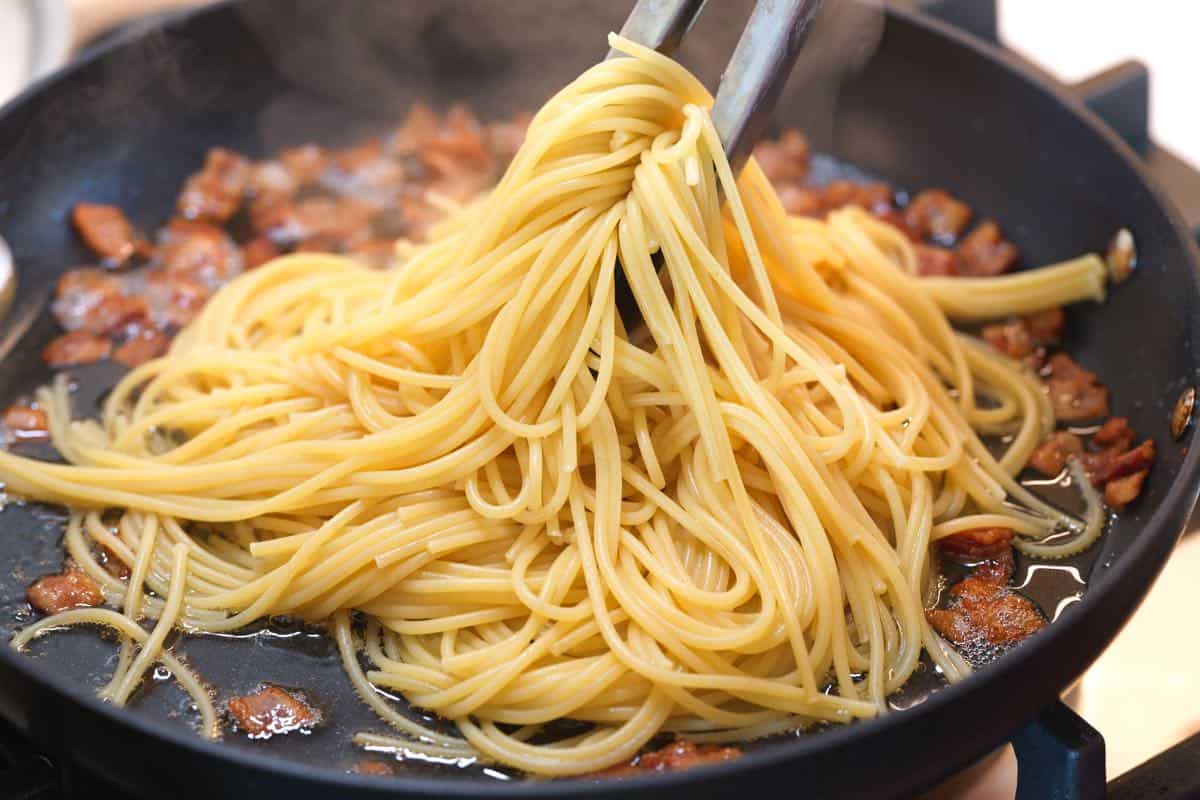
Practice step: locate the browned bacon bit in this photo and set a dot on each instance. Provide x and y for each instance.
(933, 262)
(140, 346)
(112, 563)
(784, 159)
(1121, 492)
(270, 712)
(678, 755)
(935, 214)
(799, 201)
(345, 219)
(173, 299)
(75, 348)
(1046, 327)
(69, 589)
(997, 569)
(873, 197)
(303, 163)
(420, 125)
(215, 192)
(1051, 456)
(200, 250)
(1115, 432)
(107, 232)
(373, 768)
(79, 293)
(258, 251)
(984, 252)
(1075, 393)
(1127, 463)
(1013, 337)
(984, 610)
(977, 543)
(25, 423)
(459, 144)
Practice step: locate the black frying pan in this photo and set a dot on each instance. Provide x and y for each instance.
(932, 108)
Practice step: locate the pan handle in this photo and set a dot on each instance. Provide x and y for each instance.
(1059, 755)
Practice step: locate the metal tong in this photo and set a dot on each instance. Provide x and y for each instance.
(755, 74)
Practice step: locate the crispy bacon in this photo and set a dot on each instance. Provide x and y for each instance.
(271, 711)
(936, 261)
(69, 589)
(75, 348)
(200, 250)
(1012, 337)
(1051, 456)
(1120, 492)
(784, 159)
(141, 345)
(25, 422)
(936, 214)
(678, 755)
(984, 252)
(367, 767)
(258, 251)
(215, 193)
(984, 611)
(1075, 393)
(977, 543)
(107, 232)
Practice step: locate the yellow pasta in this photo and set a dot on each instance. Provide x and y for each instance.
(711, 527)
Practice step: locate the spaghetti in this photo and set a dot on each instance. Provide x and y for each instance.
(718, 527)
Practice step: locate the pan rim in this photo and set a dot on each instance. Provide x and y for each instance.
(1154, 542)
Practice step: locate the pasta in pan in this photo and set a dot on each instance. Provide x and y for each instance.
(719, 526)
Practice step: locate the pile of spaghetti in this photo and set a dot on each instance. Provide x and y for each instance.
(514, 509)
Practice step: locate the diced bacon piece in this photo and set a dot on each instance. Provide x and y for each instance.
(1046, 327)
(112, 564)
(679, 755)
(270, 712)
(271, 178)
(141, 345)
(215, 192)
(1013, 337)
(799, 201)
(173, 298)
(69, 589)
(1120, 492)
(1051, 456)
(258, 251)
(420, 126)
(201, 251)
(785, 158)
(303, 163)
(366, 767)
(873, 197)
(936, 261)
(936, 214)
(1127, 463)
(985, 253)
(1075, 393)
(983, 611)
(79, 293)
(1115, 432)
(997, 569)
(107, 232)
(25, 422)
(977, 543)
(76, 348)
